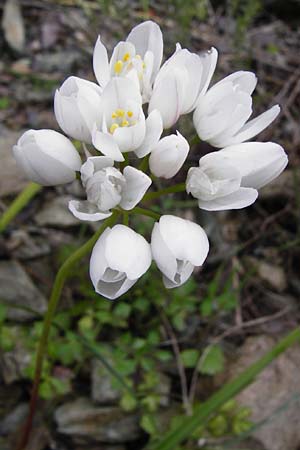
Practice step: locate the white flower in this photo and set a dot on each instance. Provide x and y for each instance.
(119, 258)
(139, 57)
(47, 157)
(229, 178)
(183, 78)
(123, 121)
(77, 107)
(168, 156)
(178, 245)
(107, 187)
(222, 113)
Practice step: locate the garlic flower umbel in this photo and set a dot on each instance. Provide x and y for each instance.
(112, 118)
(138, 58)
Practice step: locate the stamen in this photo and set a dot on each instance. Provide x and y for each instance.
(120, 112)
(138, 56)
(129, 113)
(114, 115)
(124, 123)
(126, 57)
(118, 66)
(113, 128)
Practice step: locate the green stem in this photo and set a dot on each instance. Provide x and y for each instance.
(60, 279)
(169, 190)
(204, 411)
(145, 212)
(18, 204)
(144, 164)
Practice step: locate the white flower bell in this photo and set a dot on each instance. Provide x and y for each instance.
(77, 107)
(123, 121)
(229, 178)
(47, 157)
(178, 245)
(222, 113)
(183, 78)
(107, 187)
(119, 258)
(168, 156)
(139, 57)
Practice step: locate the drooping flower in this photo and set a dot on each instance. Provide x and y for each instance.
(181, 81)
(119, 258)
(229, 178)
(47, 157)
(107, 187)
(77, 107)
(168, 156)
(178, 245)
(222, 113)
(123, 121)
(138, 57)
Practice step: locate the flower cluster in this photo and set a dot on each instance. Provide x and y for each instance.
(135, 101)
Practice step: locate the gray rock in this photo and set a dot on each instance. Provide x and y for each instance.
(274, 396)
(18, 290)
(14, 419)
(23, 246)
(13, 25)
(56, 213)
(82, 419)
(12, 179)
(102, 386)
(272, 274)
(62, 61)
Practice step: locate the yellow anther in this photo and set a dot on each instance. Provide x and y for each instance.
(113, 127)
(114, 115)
(138, 56)
(118, 66)
(124, 123)
(144, 65)
(120, 112)
(126, 57)
(129, 113)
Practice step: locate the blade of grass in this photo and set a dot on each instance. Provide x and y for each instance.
(229, 390)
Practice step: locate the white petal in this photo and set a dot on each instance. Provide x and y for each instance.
(130, 138)
(147, 36)
(239, 199)
(137, 183)
(100, 63)
(154, 129)
(168, 96)
(258, 162)
(162, 255)
(186, 240)
(93, 164)
(209, 62)
(255, 126)
(117, 93)
(106, 144)
(127, 251)
(243, 80)
(98, 263)
(84, 210)
(168, 156)
(180, 277)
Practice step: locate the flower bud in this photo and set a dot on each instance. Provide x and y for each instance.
(178, 245)
(47, 157)
(168, 156)
(119, 258)
(77, 107)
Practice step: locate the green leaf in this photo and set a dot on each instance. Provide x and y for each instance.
(203, 412)
(128, 402)
(122, 310)
(189, 358)
(2, 312)
(213, 360)
(148, 424)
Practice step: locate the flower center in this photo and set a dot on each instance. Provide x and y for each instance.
(124, 65)
(121, 118)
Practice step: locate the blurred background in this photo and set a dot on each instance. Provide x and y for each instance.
(120, 373)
